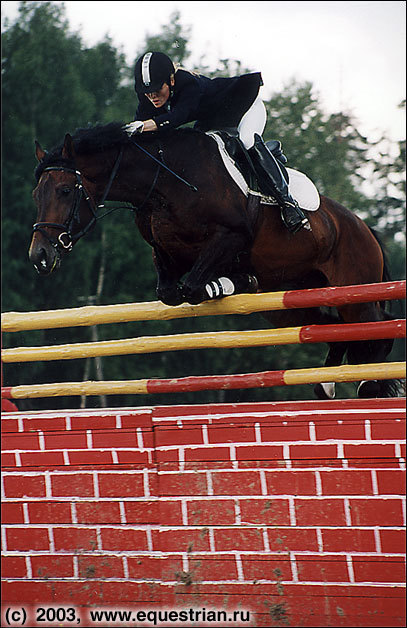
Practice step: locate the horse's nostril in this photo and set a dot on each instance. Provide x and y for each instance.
(40, 261)
(43, 258)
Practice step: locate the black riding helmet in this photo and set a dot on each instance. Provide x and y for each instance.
(152, 70)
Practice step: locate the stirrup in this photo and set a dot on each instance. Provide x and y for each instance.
(304, 223)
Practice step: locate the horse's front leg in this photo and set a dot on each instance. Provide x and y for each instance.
(168, 289)
(220, 253)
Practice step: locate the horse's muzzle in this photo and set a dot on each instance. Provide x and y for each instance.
(45, 259)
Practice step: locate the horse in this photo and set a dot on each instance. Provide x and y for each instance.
(201, 227)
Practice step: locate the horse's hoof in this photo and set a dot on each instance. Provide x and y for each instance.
(369, 389)
(193, 296)
(245, 284)
(171, 297)
(325, 391)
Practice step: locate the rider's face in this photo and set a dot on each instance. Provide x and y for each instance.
(159, 98)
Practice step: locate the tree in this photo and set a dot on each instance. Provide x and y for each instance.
(172, 40)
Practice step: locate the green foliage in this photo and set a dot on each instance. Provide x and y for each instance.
(52, 84)
(328, 148)
(173, 40)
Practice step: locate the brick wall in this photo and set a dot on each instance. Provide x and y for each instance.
(295, 512)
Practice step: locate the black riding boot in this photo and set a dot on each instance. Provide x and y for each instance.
(272, 183)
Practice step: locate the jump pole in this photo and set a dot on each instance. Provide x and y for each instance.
(211, 340)
(345, 373)
(235, 304)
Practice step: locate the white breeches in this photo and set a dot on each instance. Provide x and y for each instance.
(253, 121)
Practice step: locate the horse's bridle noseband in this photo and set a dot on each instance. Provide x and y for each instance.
(60, 243)
(66, 238)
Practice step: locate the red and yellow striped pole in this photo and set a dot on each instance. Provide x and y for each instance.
(235, 304)
(210, 340)
(345, 373)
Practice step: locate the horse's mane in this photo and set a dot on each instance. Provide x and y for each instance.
(95, 139)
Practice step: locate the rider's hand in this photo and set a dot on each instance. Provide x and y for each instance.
(134, 127)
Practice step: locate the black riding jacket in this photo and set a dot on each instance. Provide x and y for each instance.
(210, 103)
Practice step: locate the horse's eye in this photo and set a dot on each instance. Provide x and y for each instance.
(65, 191)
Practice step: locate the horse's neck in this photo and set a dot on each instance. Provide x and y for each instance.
(136, 174)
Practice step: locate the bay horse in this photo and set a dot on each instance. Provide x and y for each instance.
(196, 219)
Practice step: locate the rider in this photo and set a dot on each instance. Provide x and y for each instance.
(170, 97)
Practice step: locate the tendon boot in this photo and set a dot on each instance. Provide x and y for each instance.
(273, 183)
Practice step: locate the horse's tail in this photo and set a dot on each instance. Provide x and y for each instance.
(386, 270)
(389, 387)
(385, 305)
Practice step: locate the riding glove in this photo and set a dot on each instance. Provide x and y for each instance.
(134, 127)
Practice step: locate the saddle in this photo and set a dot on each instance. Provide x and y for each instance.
(238, 152)
(240, 167)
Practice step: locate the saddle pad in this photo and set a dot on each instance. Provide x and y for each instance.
(300, 186)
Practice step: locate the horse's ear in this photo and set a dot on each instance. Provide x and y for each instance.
(68, 151)
(39, 152)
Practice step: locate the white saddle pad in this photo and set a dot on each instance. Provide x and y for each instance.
(300, 186)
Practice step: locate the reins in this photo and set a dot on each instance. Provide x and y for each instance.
(66, 238)
(163, 165)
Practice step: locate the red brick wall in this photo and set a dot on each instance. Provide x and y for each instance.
(294, 512)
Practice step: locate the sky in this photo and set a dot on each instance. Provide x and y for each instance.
(353, 53)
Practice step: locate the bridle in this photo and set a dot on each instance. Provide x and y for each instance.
(66, 239)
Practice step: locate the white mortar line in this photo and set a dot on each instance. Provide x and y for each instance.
(28, 567)
(374, 482)
(96, 484)
(181, 459)
(368, 430)
(378, 544)
(211, 540)
(146, 484)
(73, 513)
(140, 441)
(257, 432)
(48, 487)
(350, 568)
(312, 432)
(319, 540)
(239, 567)
(75, 567)
(266, 541)
(232, 450)
(318, 483)
(125, 567)
(263, 482)
(346, 505)
(291, 507)
(149, 539)
(51, 540)
(26, 514)
(184, 510)
(294, 569)
(286, 456)
(122, 513)
(185, 563)
(205, 434)
(41, 440)
(209, 482)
